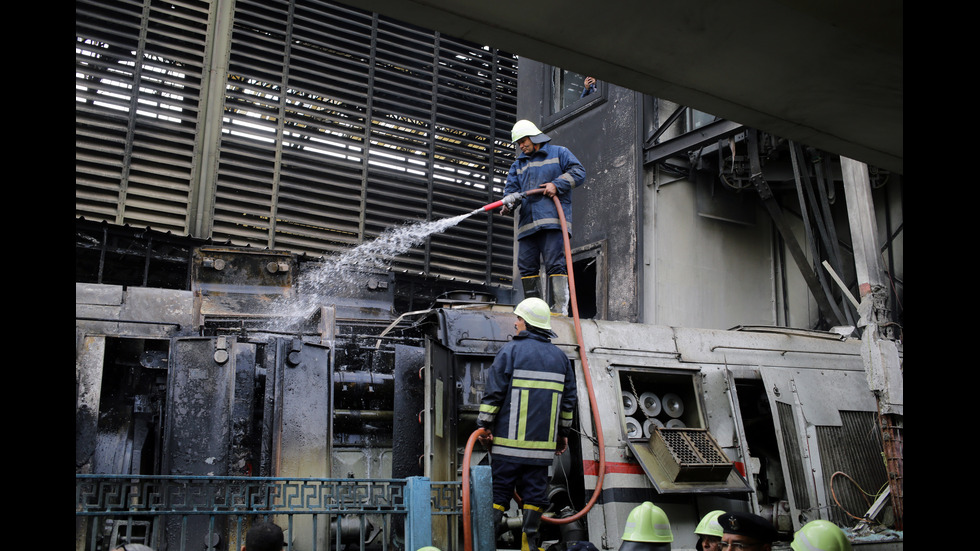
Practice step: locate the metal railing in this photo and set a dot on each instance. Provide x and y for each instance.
(213, 513)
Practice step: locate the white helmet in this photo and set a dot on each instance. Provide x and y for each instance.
(524, 128)
(535, 312)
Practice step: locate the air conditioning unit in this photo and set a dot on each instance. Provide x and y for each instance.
(689, 455)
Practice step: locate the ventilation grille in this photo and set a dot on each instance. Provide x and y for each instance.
(336, 124)
(690, 455)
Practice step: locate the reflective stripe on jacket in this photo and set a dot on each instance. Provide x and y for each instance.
(550, 163)
(530, 399)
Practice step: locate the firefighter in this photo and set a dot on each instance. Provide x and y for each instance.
(647, 529)
(746, 530)
(541, 164)
(709, 532)
(527, 410)
(820, 535)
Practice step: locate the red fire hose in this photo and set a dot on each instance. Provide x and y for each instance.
(467, 528)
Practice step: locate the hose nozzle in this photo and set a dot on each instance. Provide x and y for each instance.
(510, 200)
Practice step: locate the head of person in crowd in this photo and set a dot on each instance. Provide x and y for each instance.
(709, 532)
(820, 535)
(264, 536)
(746, 532)
(647, 529)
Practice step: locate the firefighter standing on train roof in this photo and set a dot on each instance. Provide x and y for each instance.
(541, 164)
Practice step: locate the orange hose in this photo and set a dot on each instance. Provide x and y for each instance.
(588, 378)
(467, 528)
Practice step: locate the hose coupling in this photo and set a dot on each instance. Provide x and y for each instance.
(512, 199)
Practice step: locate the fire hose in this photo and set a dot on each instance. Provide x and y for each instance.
(467, 528)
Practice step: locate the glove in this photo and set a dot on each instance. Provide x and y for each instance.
(511, 200)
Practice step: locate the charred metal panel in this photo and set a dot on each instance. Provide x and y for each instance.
(302, 439)
(198, 432)
(240, 281)
(133, 311)
(440, 407)
(475, 331)
(303, 409)
(244, 434)
(407, 433)
(200, 397)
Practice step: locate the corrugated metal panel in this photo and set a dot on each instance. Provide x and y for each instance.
(134, 153)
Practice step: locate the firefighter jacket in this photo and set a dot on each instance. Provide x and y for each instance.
(550, 163)
(530, 399)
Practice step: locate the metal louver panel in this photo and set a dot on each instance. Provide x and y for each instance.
(335, 125)
(851, 461)
(138, 79)
(340, 125)
(794, 456)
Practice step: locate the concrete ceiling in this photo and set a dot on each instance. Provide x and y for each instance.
(826, 73)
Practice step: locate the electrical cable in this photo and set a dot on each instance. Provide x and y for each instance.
(864, 494)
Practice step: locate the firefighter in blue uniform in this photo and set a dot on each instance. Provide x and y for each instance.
(541, 164)
(528, 409)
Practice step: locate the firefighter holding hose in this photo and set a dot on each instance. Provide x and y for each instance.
(528, 410)
(541, 164)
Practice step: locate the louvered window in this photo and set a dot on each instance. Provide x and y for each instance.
(336, 125)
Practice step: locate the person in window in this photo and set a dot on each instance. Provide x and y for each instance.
(541, 164)
(589, 86)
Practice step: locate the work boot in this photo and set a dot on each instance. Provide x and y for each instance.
(498, 521)
(531, 536)
(558, 288)
(532, 286)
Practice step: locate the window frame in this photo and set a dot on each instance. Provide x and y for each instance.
(550, 118)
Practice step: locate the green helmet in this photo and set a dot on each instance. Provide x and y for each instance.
(820, 535)
(524, 128)
(428, 548)
(535, 312)
(648, 523)
(709, 525)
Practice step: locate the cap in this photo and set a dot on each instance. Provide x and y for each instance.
(748, 525)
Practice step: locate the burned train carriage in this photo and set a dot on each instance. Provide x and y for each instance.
(255, 370)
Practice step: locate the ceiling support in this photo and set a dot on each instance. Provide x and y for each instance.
(827, 308)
